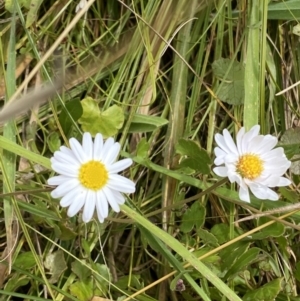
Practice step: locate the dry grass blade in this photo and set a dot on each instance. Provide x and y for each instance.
(37, 95)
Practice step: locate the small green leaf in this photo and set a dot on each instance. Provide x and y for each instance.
(194, 216)
(195, 157)
(143, 148)
(232, 76)
(94, 121)
(290, 140)
(146, 123)
(33, 12)
(243, 261)
(75, 110)
(53, 142)
(267, 292)
(56, 264)
(296, 30)
(83, 290)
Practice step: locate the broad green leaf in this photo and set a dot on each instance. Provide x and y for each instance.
(194, 216)
(291, 140)
(75, 110)
(33, 12)
(66, 230)
(94, 121)
(83, 290)
(194, 157)
(230, 254)
(221, 232)
(53, 142)
(214, 258)
(243, 261)
(274, 230)
(56, 264)
(25, 261)
(9, 4)
(267, 292)
(284, 10)
(133, 280)
(207, 237)
(15, 283)
(290, 195)
(146, 123)
(79, 269)
(103, 281)
(232, 76)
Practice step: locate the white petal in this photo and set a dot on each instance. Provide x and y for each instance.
(67, 151)
(98, 146)
(235, 177)
(87, 145)
(239, 138)
(111, 199)
(247, 137)
(244, 194)
(263, 144)
(65, 169)
(62, 157)
(101, 205)
(230, 143)
(283, 182)
(57, 180)
(220, 155)
(106, 148)
(70, 197)
(64, 188)
(221, 171)
(277, 170)
(118, 197)
(89, 206)
(78, 151)
(119, 165)
(273, 154)
(76, 206)
(222, 143)
(113, 153)
(120, 183)
(263, 192)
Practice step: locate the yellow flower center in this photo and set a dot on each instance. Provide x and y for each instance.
(250, 166)
(93, 175)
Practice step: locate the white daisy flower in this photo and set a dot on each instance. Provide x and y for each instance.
(88, 177)
(252, 163)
